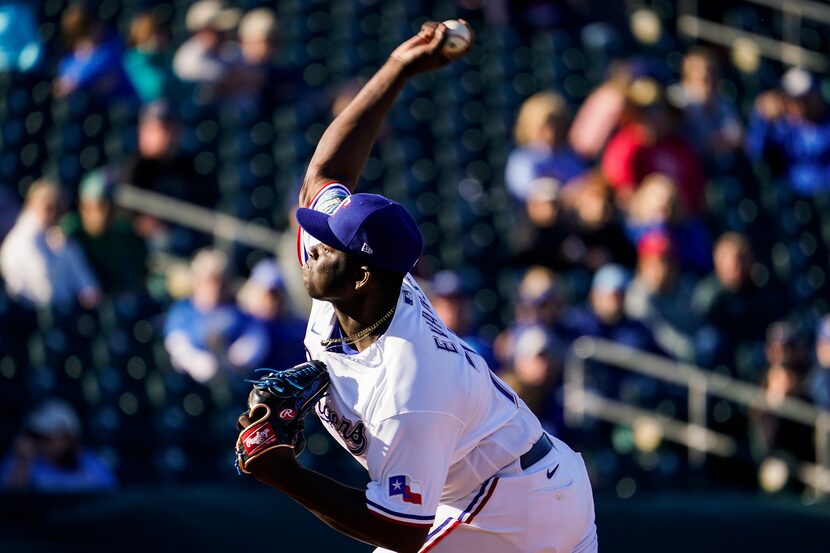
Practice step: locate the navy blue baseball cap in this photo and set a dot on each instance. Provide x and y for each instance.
(370, 226)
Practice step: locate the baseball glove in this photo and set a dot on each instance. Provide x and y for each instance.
(277, 405)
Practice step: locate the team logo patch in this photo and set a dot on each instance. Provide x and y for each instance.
(408, 489)
(287, 414)
(366, 248)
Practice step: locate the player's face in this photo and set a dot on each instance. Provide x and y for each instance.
(326, 273)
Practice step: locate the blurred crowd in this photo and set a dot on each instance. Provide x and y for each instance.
(671, 204)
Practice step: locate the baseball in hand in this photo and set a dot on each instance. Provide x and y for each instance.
(459, 38)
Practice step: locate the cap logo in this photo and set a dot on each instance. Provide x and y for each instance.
(366, 248)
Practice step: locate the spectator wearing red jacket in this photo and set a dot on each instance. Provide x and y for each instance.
(650, 143)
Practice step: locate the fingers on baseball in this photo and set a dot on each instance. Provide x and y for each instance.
(437, 40)
(427, 29)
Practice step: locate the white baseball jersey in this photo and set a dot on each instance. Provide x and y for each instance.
(424, 414)
(419, 408)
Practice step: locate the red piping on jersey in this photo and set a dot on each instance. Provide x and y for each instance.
(311, 203)
(299, 245)
(396, 521)
(458, 522)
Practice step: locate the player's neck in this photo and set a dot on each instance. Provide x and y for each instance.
(364, 311)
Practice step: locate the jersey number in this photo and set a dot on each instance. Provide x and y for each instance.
(500, 386)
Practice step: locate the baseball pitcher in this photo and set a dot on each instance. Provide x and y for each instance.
(457, 461)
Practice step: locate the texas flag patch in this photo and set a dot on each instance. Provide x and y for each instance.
(409, 489)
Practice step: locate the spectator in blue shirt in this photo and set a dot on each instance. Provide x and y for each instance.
(711, 122)
(790, 130)
(604, 317)
(263, 297)
(207, 334)
(542, 149)
(93, 64)
(48, 458)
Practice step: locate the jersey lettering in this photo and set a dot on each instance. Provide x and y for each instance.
(467, 353)
(354, 434)
(433, 323)
(432, 320)
(444, 345)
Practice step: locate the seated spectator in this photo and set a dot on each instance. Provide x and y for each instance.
(40, 265)
(540, 299)
(596, 235)
(535, 373)
(263, 297)
(601, 112)
(20, 47)
(783, 378)
(208, 57)
(733, 310)
(48, 456)
(789, 129)
(818, 380)
(147, 60)
(542, 229)
(93, 64)
(452, 304)
(539, 302)
(712, 124)
(260, 79)
(655, 206)
(207, 334)
(116, 254)
(159, 166)
(541, 146)
(604, 315)
(650, 143)
(661, 298)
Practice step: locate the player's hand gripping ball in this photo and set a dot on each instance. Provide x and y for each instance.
(459, 38)
(277, 405)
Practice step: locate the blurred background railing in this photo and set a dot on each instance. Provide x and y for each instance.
(649, 426)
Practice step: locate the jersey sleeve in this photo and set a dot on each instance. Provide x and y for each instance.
(408, 460)
(327, 200)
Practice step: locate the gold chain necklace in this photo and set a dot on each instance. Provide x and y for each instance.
(360, 335)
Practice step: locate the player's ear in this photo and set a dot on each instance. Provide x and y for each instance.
(364, 277)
